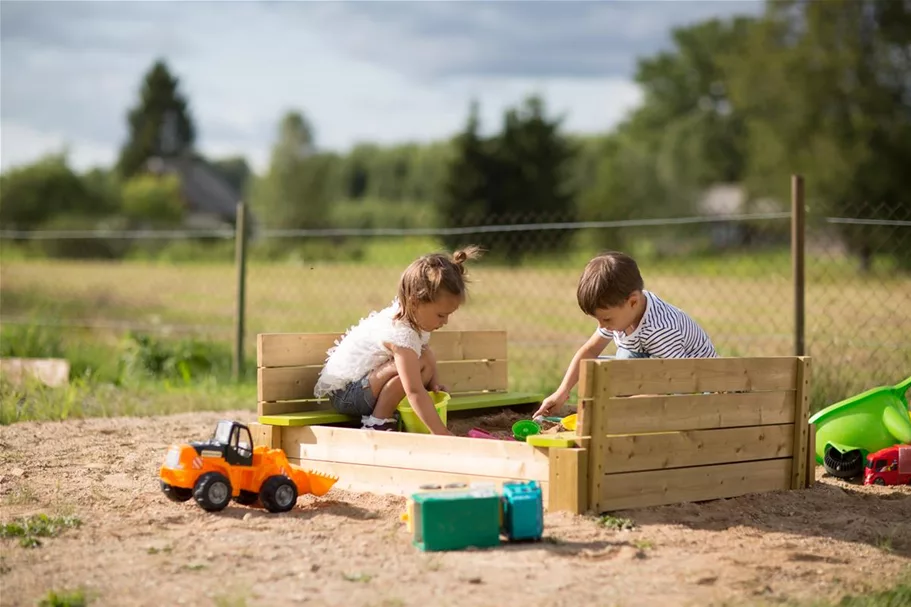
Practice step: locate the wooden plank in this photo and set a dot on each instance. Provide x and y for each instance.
(528, 463)
(568, 480)
(695, 375)
(397, 481)
(291, 406)
(468, 345)
(265, 435)
(659, 487)
(303, 349)
(293, 349)
(52, 372)
(584, 412)
(811, 455)
(600, 379)
(296, 383)
(632, 415)
(801, 424)
(669, 450)
(418, 444)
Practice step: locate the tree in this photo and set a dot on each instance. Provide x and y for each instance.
(153, 200)
(34, 194)
(834, 103)
(159, 125)
(530, 177)
(298, 188)
(466, 190)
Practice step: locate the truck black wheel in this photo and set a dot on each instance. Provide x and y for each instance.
(212, 491)
(176, 494)
(278, 494)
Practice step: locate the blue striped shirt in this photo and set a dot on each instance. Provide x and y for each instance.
(665, 331)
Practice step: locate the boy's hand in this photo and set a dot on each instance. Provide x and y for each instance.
(554, 401)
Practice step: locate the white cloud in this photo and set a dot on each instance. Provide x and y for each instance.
(22, 144)
(386, 72)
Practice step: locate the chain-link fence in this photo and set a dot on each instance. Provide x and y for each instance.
(733, 274)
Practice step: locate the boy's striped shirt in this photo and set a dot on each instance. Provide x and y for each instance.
(665, 331)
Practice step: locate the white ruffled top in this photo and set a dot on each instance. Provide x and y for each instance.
(363, 348)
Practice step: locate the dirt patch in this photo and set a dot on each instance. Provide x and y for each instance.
(136, 548)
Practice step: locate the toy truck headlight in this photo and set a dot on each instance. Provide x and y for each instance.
(172, 459)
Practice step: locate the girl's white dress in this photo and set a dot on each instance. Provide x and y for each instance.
(363, 348)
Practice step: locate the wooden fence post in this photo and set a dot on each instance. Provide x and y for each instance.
(240, 262)
(798, 245)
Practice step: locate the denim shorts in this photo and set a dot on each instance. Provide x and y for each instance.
(354, 399)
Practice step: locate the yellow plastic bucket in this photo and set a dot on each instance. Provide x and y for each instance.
(410, 418)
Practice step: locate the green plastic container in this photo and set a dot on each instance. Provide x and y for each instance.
(410, 418)
(524, 428)
(456, 519)
(848, 431)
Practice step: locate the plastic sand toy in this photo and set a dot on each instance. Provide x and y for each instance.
(525, 428)
(848, 431)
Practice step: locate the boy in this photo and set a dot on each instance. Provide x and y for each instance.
(643, 326)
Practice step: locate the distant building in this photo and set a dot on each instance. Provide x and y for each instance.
(730, 199)
(210, 200)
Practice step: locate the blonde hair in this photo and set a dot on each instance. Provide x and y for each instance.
(607, 281)
(429, 275)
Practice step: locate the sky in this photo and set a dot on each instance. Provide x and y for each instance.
(370, 71)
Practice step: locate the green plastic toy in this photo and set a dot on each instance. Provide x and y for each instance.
(525, 428)
(848, 431)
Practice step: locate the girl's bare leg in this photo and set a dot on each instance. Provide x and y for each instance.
(392, 392)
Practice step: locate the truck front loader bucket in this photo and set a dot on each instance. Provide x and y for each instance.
(320, 483)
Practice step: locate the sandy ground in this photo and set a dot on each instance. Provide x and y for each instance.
(136, 548)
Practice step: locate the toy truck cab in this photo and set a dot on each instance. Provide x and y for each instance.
(889, 466)
(232, 441)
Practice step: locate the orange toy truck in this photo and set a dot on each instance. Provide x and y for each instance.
(227, 465)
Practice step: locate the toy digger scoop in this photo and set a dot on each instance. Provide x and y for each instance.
(319, 483)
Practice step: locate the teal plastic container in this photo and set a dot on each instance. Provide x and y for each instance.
(848, 431)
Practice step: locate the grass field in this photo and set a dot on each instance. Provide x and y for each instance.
(857, 327)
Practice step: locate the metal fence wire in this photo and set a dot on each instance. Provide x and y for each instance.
(733, 274)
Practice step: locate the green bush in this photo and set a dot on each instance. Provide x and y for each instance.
(186, 360)
(30, 341)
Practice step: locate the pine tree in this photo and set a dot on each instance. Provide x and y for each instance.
(466, 188)
(159, 125)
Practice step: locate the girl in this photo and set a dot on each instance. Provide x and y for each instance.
(386, 356)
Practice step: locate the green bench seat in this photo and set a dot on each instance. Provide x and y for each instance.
(457, 403)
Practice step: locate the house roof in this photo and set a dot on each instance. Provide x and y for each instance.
(203, 189)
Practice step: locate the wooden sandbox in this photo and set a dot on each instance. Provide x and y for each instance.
(650, 432)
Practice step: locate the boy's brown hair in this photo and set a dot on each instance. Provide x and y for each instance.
(607, 281)
(424, 279)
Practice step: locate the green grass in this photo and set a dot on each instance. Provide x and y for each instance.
(897, 596)
(29, 530)
(857, 326)
(616, 523)
(65, 598)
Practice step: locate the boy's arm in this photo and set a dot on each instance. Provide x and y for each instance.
(409, 367)
(590, 349)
